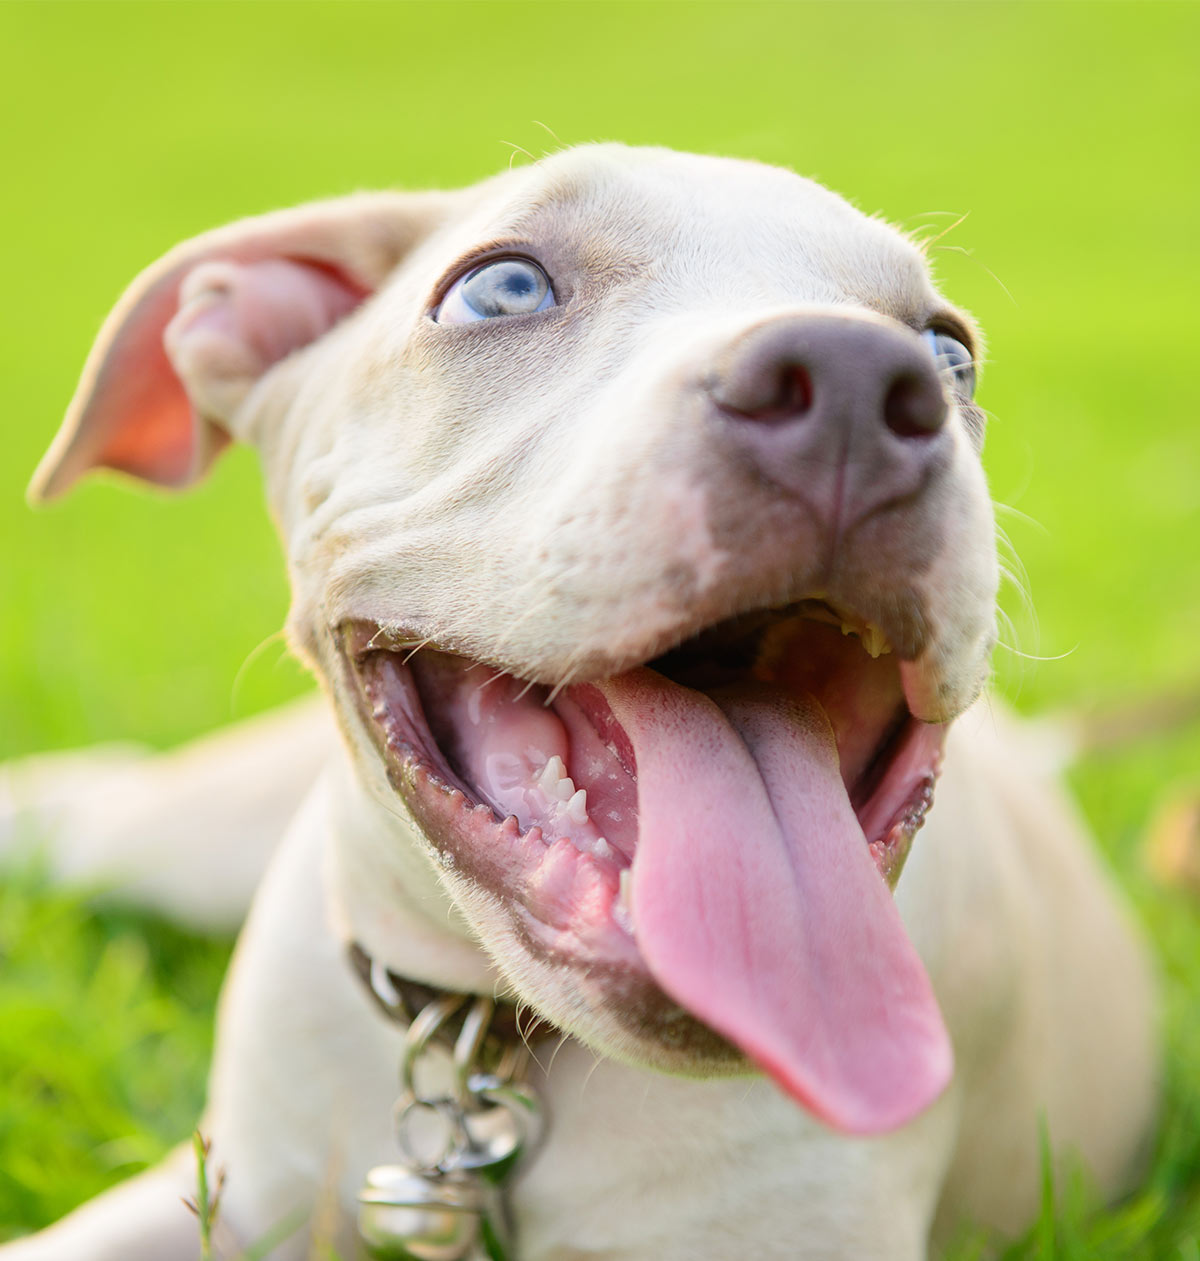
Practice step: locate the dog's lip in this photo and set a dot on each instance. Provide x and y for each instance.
(565, 901)
(909, 751)
(355, 637)
(882, 630)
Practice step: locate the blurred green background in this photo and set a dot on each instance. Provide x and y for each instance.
(1066, 133)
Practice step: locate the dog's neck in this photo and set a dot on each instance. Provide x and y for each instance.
(386, 897)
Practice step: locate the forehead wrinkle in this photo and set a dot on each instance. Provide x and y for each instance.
(594, 218)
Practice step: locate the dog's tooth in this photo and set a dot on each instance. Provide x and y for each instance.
(577, 806)
(875, 642)
(564, 790)
(598, 848)
(552, 772)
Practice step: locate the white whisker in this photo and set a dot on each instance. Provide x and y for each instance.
(251, 657)
(416, 648)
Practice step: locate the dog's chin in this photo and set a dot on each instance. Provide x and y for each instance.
(528, 796)
(616, 1009)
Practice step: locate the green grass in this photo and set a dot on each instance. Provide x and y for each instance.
(1067, 132)
(105, 1033)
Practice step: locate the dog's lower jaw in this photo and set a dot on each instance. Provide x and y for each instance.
(395, 894)
(392, 892)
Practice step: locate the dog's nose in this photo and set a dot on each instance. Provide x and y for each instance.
(845, 412)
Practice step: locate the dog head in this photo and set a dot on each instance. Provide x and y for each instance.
(636, 525)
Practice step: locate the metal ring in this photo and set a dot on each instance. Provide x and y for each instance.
(468, 1045)
(456, 1139)
(428, 1021)
(383, 989)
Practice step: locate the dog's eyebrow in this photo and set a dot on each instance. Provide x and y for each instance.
(591, 218)
(599, 244)
(957, 324)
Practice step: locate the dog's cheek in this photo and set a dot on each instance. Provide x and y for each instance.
(958, 590)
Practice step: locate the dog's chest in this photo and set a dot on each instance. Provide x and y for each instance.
(640, 1165)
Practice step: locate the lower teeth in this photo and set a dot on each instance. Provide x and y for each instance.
(622, 911)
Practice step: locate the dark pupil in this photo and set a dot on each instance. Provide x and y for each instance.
(517, 284)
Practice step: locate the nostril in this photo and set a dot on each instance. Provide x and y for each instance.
(914, 406)
(795, 394)
(783, 395)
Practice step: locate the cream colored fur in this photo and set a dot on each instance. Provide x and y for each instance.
(529, 516)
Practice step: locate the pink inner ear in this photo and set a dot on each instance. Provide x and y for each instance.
(247, 315)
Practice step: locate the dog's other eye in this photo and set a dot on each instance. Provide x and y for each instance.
(953, 359)
(508, 286)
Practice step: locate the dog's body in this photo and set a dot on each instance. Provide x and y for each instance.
(593, 410)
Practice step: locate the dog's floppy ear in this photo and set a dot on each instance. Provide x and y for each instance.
(216, 312)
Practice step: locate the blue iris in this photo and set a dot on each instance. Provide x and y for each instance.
(953, 359)
(508, 286)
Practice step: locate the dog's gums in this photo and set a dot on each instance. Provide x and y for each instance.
(534, 793)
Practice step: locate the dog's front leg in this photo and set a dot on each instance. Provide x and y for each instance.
(305, 1070)
(140, 1220)
(186, 833)
(303, 1083)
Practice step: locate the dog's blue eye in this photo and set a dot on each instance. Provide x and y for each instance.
(509, 286)
(954, 359)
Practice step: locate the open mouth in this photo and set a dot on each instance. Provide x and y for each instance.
(718, 819)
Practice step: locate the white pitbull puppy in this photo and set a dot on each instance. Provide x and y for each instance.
(638, 537)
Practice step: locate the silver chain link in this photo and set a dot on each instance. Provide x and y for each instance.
(461, 1134)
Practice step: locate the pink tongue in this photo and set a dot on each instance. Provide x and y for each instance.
(757, 906)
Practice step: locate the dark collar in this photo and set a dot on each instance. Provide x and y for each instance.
(402, 999)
